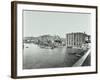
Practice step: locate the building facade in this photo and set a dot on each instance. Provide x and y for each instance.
(77, 40)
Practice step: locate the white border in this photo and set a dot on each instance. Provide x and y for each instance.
(21, 72)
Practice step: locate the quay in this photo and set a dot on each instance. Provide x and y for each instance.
(82, 60)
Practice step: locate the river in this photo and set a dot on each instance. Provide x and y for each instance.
(36, 57)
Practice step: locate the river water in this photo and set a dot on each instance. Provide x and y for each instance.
(36, 57)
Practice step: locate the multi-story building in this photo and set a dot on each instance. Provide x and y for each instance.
(77, 40)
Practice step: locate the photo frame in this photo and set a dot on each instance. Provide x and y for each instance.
(52, 39)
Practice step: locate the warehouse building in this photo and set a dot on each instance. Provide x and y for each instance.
(77, 40)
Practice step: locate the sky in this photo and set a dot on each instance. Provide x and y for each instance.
(36, 23)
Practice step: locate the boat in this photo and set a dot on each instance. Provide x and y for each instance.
(27, 47)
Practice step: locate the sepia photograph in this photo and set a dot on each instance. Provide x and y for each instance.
(51, 39)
